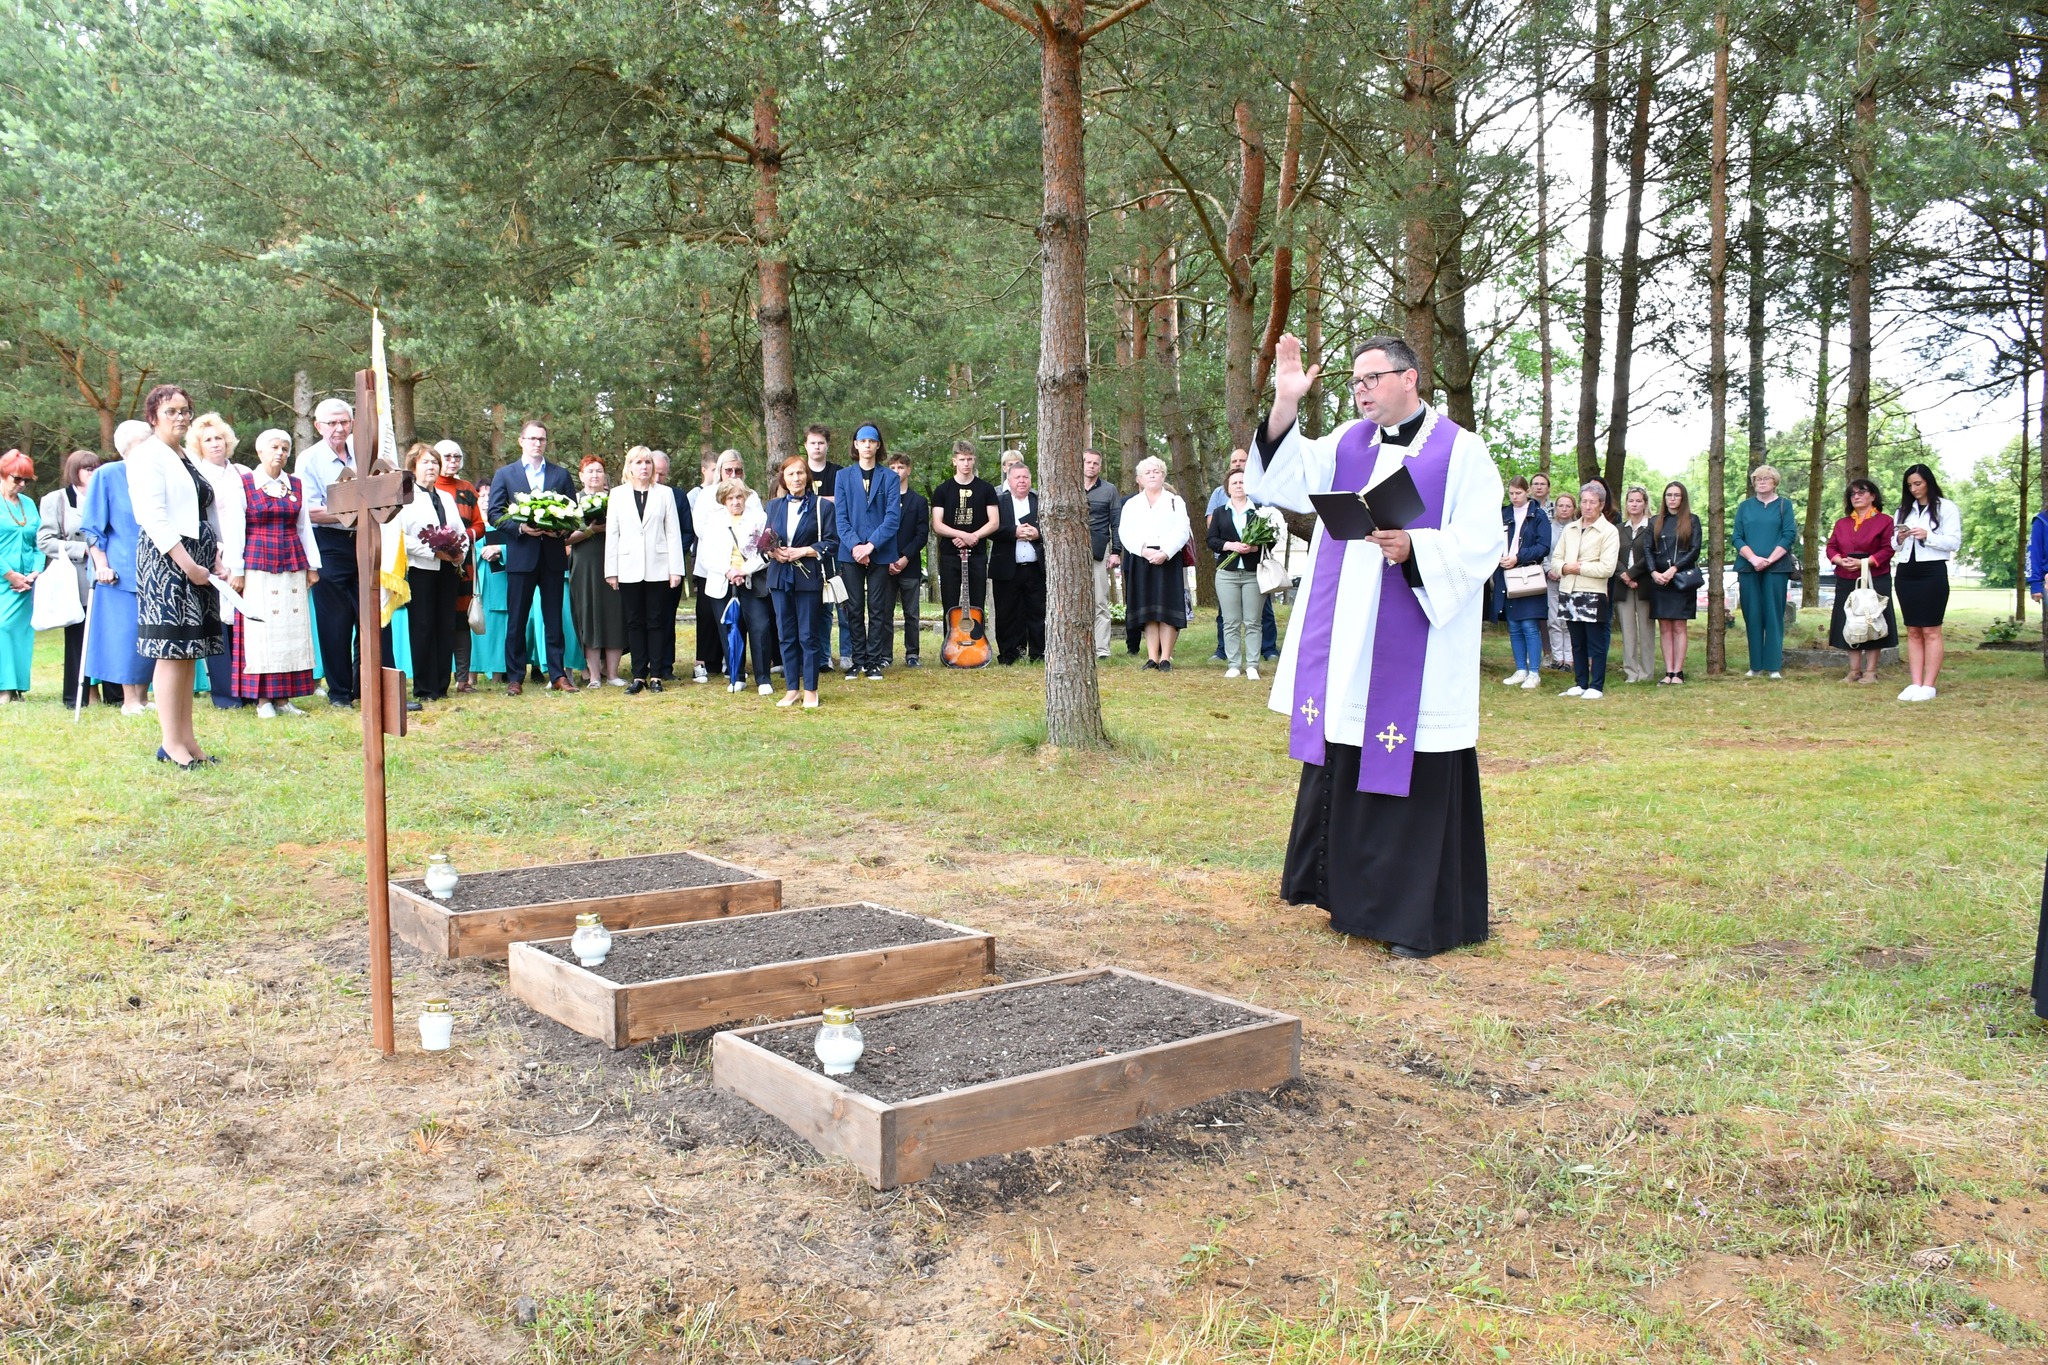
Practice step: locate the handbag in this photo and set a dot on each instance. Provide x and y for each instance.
(1273, 574)
(1525, 580)
(1689, 580)
(834, 590)
(476, 613)
(56, 602)
(1863, 613)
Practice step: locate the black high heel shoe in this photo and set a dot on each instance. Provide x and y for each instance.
(162, 756)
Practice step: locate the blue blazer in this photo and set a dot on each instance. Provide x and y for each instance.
(868, 519)
(1533, 549)
(108, 520)
(525, 553)
(805, 575)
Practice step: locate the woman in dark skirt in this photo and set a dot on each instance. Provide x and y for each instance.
(1154, 528)
(1863, 537)
(1927, 535)
(1675, 576)
(177, 608)
(599, 610)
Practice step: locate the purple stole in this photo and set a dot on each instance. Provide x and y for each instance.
(1400, 640)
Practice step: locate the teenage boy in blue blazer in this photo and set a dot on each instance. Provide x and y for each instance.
(869, 510)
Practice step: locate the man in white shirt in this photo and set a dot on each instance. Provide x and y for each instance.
(1380, 675)
(1016, 571)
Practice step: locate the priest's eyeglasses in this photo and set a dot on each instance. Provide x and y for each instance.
(1370, 380)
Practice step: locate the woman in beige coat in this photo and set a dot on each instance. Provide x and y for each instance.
(1584, 557)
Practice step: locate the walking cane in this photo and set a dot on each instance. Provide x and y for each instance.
(78, 704)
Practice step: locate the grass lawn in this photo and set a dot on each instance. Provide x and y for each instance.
(1747, 1073)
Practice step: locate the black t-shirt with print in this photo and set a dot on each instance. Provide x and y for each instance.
(964, 506)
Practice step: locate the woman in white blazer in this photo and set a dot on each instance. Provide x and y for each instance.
(176, 554)
(643, 560)
(432, 577)
(730, 563)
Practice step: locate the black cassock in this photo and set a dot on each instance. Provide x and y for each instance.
(1407, 870)
(2041, 954)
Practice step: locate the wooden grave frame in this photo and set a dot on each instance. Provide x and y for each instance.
(893, 1143)
(621, 1015)
(440, 932)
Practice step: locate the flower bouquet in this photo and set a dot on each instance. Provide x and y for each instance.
(448, 542)
(1258, 532)
(550, 513)
(765, 542)
(591, 507)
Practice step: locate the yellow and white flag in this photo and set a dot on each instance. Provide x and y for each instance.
(391, 569)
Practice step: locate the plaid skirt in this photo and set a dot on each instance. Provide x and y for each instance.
(176, 618)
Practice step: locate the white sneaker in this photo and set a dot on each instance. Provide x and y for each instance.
(1251, 671)
(1912, 693)
(734, 687)
(285, 708)
(699, 675)
(1532, 682)
(1232, 672)
(1514, 679)
(617, 682)
(1573, 692)
(1749, 673)
(766, 689)
(1927, 694)
(265, 711)
(1777, 677)
(1590, 694)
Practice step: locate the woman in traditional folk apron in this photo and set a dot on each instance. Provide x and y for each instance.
(273, 657)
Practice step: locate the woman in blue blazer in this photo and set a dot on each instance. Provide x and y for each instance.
(1528, 533)
(807, 548)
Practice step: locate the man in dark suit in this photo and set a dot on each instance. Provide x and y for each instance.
(1016, 566)
(535, 561)
(906, 571)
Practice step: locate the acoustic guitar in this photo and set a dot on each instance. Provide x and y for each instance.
(966, 633)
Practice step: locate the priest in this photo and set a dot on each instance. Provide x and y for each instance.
(1379, 679)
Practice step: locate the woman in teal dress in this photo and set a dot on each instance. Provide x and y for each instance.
(487, 651)
(1766, 551)
(21, 561)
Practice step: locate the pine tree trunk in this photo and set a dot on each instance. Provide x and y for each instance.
(1753, 242)
(1312, 336)
(1422, 87)
(1453, 339)
(1073, 702)
(1240, 330)
(1133, 334)
(1817, 468)
(302, 409)
(1630, 283)
(778, 346)
(1281, 300)
(1599, 99)
(404, 380)
(497, 435)
(1862, 168)
(1717, 365)
(1548, 359)
(1184, 468)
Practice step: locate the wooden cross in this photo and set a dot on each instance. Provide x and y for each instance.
(1004, 435)
(380, 494)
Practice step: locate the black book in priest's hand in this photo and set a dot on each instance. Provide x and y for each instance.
(1392, 504)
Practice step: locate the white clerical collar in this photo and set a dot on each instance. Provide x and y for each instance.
(1405, 435)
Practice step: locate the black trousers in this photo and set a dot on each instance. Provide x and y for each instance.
(906, 592)
(334, 616)
(949, 576)
(757, 621)
(661, 632)
(645, 604)
(74, 659)
(1408, 870)
(710, 636)
(433, 619)
(519, 591)
(1020, 613)
(1589, 652)
(868, 613)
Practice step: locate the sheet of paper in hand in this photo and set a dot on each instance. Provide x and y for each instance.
(1393, 502)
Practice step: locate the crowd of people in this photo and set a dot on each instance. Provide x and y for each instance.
(183, 560)
(491, 593)
(1574, 564)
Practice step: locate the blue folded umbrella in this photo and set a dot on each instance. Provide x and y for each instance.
(735, 639)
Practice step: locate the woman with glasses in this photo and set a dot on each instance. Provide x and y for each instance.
(1862, 540)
